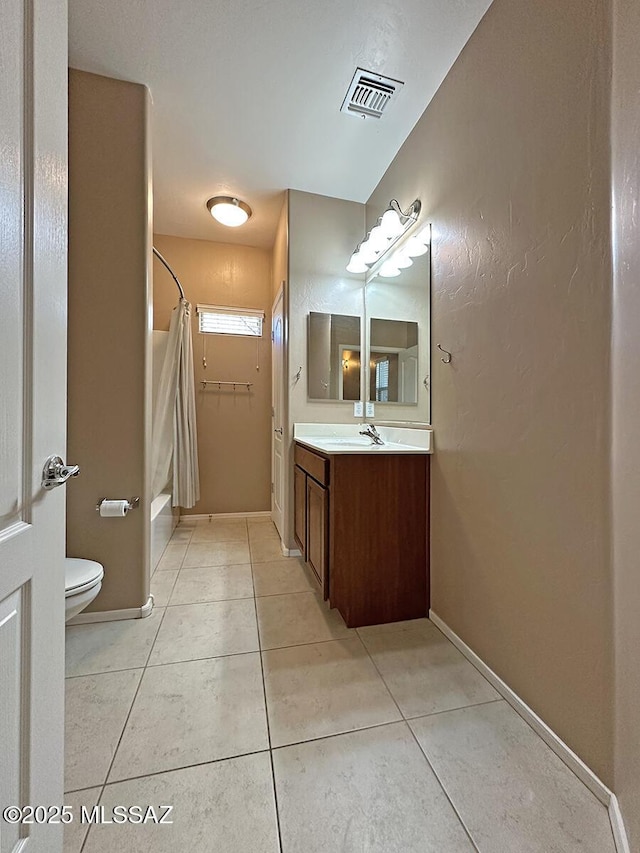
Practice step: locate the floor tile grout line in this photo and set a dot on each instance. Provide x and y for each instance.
(369, 727)
(173, 586)
(382, 678)
(452, 710)
(266, 714)
(446, 793)
(221, 600)
(221, 566)
(135, 696)
(115, 751)
(199, 659)
(86, 837)
(182, 767)
(275, 800)
(153, 644)
(209, 600)
(308, 643)
(406, 723)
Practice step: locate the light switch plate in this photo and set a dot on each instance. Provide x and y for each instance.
(357, 409)
(370, 409)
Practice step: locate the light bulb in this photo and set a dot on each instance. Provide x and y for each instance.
(389, 270)
(368, 252)
(414, 247)
(390, 224)
(357, 264)
(378, 239)
(401, 260)
(228, 210)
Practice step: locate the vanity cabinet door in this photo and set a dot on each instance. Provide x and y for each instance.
(317, 532)
(300, 509)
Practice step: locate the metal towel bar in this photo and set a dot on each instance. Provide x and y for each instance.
(219, 383)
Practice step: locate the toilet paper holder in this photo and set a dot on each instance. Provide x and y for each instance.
(133, 503)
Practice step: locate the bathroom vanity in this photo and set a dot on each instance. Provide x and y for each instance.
(361, 522)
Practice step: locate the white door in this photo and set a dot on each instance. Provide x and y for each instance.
(278, 479)
(408, 363)
(33, 292)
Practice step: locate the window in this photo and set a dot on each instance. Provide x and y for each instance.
(220, 320)
(382, 381)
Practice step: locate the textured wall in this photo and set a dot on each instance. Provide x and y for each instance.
(511, 162)
(626, 406)
(234, 428)
(322, 235)
(109, 382)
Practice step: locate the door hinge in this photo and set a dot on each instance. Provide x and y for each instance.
(272, 335)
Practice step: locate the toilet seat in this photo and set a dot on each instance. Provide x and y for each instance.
(81, 575)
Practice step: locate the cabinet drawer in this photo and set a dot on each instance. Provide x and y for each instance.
(316, 466)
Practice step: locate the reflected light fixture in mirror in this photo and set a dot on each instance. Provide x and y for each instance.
(389, 229)
(228, 210)
(403, 254)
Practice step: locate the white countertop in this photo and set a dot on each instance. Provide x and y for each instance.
(346, 438)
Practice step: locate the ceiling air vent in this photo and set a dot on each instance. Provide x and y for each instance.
(369, 94)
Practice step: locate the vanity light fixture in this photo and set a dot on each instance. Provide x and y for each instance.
(389, 230)
(229, 210)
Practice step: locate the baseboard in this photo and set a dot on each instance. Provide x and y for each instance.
(564, 753)
(291, 552)
(113, 615)
(618, 827)
(209, 515)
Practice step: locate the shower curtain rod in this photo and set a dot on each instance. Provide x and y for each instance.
(173, 275)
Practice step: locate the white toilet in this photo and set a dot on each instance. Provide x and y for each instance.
(82, 581)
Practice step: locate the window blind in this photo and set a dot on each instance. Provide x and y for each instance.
(221, 320)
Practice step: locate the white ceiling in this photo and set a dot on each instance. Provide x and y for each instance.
(247, 93)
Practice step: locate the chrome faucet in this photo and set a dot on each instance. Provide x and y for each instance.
(372, 432)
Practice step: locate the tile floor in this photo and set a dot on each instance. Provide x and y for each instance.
(269, 726)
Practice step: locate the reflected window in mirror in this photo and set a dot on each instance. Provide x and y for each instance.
(393, 361)
(334, 362)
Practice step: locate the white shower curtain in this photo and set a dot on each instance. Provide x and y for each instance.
(174, 427)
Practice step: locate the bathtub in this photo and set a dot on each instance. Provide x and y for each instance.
(163, 522)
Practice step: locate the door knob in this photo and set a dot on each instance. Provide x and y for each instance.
(55, 472)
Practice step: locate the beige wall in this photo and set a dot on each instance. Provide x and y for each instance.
(511, 163)
(626, 407)
(322, 235)
(109, 330)
(234, 428)
(280, 253)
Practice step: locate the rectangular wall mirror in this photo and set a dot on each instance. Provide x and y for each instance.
(333, 363)
(398, 332)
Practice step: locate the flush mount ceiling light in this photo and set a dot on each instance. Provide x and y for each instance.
(386, 234)
(229, 210)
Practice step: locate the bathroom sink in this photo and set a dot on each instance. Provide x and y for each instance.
(346, 438)
(329, 444)
(348, 442)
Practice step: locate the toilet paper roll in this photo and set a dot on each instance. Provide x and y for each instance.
(114, 509)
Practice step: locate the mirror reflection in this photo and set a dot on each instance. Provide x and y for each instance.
(393, 361)
(397, 308)
(334, 357)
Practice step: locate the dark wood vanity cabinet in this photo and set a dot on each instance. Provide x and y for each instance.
(361, 521)
(311, 508)
(317, 532)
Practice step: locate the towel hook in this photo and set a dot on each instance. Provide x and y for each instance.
(448, 354)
